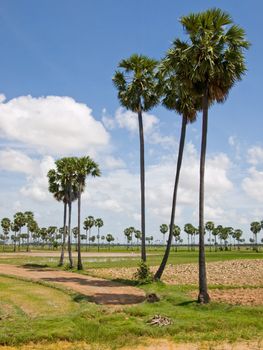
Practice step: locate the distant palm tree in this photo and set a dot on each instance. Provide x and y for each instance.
(6, 226)
(237, 235)
(88, 224)
(190, 230)
(255, 227)
(163, 229)
(29, 215)
(212, 64)
(209, 226)
(138, 235)
(19, 221)
(109, 239)
(136, 83)
(176, 234)
(99, 224)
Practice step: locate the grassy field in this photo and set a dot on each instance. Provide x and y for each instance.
(28, 314)
(34, 312)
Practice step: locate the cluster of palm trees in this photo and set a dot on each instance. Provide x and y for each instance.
(20, 219)
(67, 182)
(193, 75)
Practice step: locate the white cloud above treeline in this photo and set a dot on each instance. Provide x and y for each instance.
(52, 125)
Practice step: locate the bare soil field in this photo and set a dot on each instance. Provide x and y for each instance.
(98, 290)
(247, 274)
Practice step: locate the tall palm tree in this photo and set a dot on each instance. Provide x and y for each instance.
(84, 166)
(237, 235)
(63, 186)
(176, 97)
(98, 223)
(137, 235)
(190, 230)
(213, 63)
(136, 83)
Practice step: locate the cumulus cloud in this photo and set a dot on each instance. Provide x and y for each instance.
(17, 161)
(128, 120)
(253, 184)
(255, 155)
(53, 124)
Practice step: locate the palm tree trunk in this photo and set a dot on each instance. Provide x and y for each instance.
(159, 272)
(142, 178)
(203, 296)
(69, 234)
(61, 260)
(27, 246)
(80, 267)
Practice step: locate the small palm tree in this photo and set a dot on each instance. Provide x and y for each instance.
(88, 224)
(137, 235)
(109, 239)
(209, 226)
(190, 230)
(136, 83)
(255, 227)
(19, 221)
(6, 226)
(176, 234)
(164, 229)
(98, 223)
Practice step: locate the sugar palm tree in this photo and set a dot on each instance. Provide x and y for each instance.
(209, 226)
(6, 226)
(109, 239)
(20, 221)
(98, 223)
(29, 216)
(163, 229)
(176, 234)
(176, 97)
(213, 63)
(136, 84)
(255, 227)
(237, 235)
(84, 166)
(190, 230)
(88, 224)
(137, 235)
(62, 183)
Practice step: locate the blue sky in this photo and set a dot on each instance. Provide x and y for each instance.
(70, 50)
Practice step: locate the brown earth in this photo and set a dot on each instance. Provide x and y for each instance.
(98, 290)
(231, 272)
(242, 273)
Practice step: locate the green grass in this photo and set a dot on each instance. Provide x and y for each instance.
(97, 324)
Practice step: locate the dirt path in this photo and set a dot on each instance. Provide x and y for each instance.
(98, 290)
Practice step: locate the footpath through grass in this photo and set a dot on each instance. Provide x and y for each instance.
(114, 328)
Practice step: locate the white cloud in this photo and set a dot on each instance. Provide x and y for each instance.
(253, 184)
(37, 183)
(53, 124)
(128, 120)
(17, 161)
(111, 162)
(255, 155)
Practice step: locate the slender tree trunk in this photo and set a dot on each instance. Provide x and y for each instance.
(89, 238)
(98, 238)
(61, 260)
(86, 240)
(15, 243)
(142, 178)
(159, 272)
(203, 296)
(80, 267)
(27, 246)
(69, 235)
